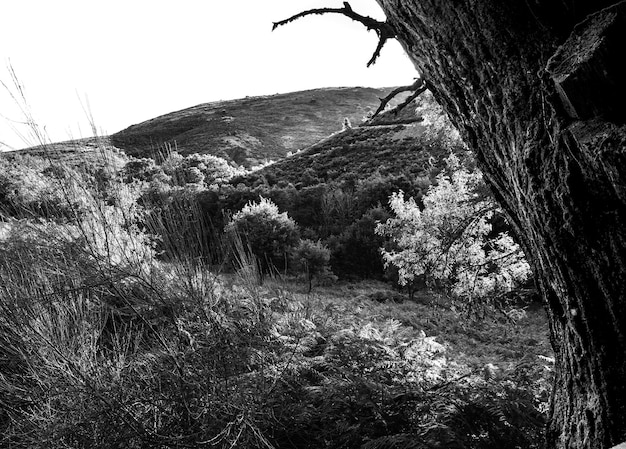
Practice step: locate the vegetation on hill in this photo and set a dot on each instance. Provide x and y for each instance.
(94, 151)
(179, 303)
(388, 145)
(252, 130)
(106, 343)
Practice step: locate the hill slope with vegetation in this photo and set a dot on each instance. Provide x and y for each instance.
(90, 151)
(410, 143)
(252, 130)
(180, 302)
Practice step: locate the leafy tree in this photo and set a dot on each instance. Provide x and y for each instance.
(337, 210)
(307, 206)
(268, 233)
(309, 178)
(312, 259)
(447, 244)
(377, 188)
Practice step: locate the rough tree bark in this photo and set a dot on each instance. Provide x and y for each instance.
(552, 144)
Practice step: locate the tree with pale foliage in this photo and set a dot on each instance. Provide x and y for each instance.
(449, 244)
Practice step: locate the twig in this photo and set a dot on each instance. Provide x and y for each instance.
(410, 98)
(418, 87)
(383, 29)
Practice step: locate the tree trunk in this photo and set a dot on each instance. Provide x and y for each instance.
(552, 145)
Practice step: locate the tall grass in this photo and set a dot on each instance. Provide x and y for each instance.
(116, 330)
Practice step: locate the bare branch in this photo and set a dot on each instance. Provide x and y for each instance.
(418, 87)
(410, 98)
(393, 93)
(384, 34)
(384, 30)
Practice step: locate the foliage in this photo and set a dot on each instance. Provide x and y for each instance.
(103, 345)
(448, 244)
(142, 169)
(268, 233)
(30, 186)
(373, 378)
(356, 251)
(312, 259)
(439, 131)
(203, 169)
(118, 327)
(326, 189)
(107, 343)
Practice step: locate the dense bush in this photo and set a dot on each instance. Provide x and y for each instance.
(205, 170)
(365, 380)
(266, 232)
(142, 169)
(105, 346)
(33, 187)
(328, 211)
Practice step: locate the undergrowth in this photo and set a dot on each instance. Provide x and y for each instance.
(111, 337)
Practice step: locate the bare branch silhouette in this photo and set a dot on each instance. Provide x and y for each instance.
(417, 88)
(384, 30)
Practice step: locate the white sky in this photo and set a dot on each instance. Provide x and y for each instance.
(132, 60)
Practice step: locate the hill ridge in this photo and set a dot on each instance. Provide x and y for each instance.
(253, 129)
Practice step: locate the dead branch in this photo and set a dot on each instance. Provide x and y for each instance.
(384, 30)
(410, 98)
(417, 88)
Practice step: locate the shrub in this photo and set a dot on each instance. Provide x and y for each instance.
(214, 169)
(30, 186)
(203, 169)
(268, 233)
(144, 169)
(102, 345)
(337, 210)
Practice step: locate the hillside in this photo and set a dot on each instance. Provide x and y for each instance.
(390, 144)
(94, 151)
(252, 130)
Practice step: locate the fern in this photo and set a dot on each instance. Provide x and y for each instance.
(399, 441)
